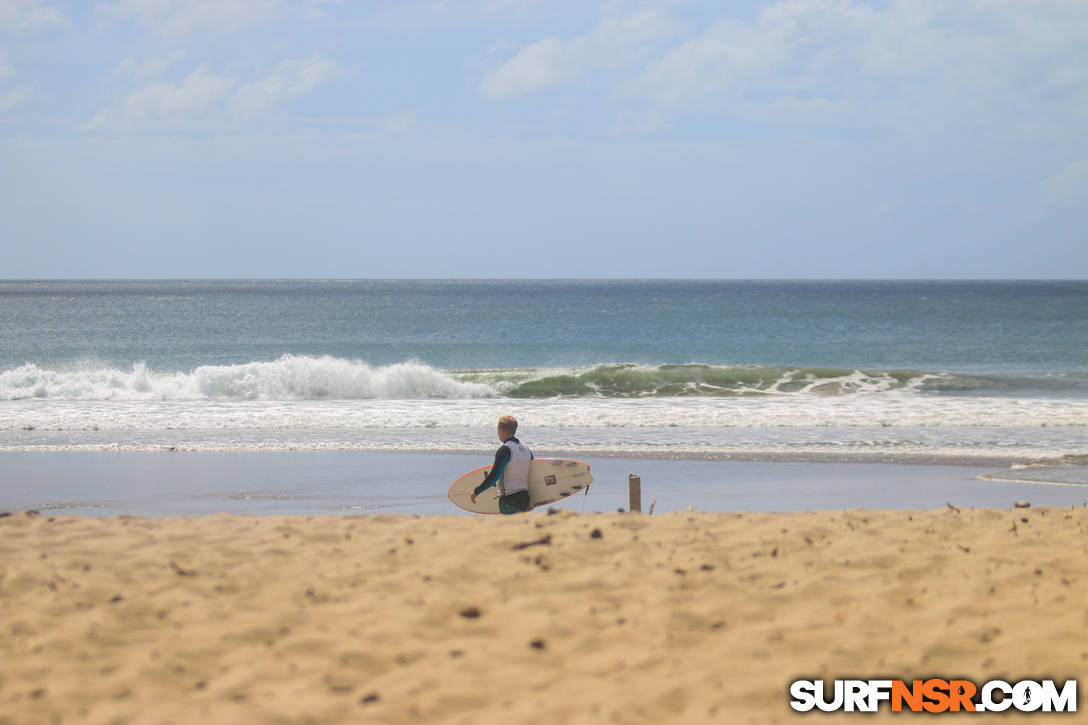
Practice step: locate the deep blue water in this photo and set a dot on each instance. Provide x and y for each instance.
(983, 327)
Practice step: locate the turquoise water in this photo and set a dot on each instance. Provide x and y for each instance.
(884, 370)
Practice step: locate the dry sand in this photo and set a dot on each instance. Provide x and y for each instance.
(595, 618)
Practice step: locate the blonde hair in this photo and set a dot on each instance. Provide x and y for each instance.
(509, 424)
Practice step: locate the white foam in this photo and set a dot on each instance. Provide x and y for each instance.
(289, 378)
(888, 411)
(324, 403)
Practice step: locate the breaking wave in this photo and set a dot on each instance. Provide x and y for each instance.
(328, 378)
(289, 378)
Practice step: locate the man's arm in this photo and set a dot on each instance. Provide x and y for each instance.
(501, 457)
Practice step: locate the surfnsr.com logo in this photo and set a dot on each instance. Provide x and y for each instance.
(933, 695)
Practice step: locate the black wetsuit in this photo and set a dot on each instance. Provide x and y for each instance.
(516, 502)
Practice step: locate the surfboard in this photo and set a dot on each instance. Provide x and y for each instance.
(550, 480)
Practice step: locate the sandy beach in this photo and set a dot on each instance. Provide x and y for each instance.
(682, 617)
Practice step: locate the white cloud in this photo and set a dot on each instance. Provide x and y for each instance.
(180, 17)
(447, 14)
(636, 123)
(290, 79)
(200, 90)
(841, 48)
(540, 65)
(723, 56)
(13, 97)
(613, 44)
(98, 121)
(1069, 186)
(316, 9)
(502, 6)
(399, 122)
(203, 91)
(26, 14)
(148, 67)
(794, 46)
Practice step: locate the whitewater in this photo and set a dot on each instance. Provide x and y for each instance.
(895, 371)
(324, 403)
(294, 377)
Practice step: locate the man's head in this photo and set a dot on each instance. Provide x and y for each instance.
(508, 427)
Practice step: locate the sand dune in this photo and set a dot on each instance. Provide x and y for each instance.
(684, 617)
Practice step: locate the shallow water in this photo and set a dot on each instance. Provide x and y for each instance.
(350, 482)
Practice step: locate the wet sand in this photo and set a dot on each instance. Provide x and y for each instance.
(353, 482)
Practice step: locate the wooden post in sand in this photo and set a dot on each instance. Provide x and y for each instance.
(634, 483)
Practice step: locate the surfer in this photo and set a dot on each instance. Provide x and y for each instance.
(510, 470)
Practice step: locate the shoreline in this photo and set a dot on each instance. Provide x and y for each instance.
(164, 484)
(802, 456)
(679, 617)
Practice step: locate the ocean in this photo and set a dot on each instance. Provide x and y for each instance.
(987, 372)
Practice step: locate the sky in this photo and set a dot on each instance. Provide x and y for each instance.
(544, 138)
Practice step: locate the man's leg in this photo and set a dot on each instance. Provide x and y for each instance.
(515, 503)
